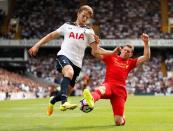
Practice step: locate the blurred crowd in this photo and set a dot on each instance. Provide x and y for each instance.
(41, 17)
(145, 79)
(170, 8)
(128, 19)
(15, 86)
(148, 79)
(2, 14)
(169, 62)
(116, 19)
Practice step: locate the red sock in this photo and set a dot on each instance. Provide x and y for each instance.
(96, 95)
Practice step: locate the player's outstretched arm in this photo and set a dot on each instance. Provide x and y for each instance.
(33, 50)
(98, 52)
(109, 52)
(147, 54)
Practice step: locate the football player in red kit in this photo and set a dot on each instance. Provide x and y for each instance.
(114, 86)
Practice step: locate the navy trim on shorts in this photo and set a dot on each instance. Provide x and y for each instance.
(63, 61)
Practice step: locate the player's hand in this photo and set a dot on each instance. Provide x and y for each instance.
(97, 39)
(145, 38)
(33, 51)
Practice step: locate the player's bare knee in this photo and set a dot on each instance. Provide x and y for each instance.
(70, 74)
(119, 121)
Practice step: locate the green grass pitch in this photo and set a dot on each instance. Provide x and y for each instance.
(143, 113)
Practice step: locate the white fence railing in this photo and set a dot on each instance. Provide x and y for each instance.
(104, 42)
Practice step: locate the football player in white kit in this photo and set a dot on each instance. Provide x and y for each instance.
(77, 36)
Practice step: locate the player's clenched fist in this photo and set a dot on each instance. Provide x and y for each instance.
(145, 38)
(33, 51)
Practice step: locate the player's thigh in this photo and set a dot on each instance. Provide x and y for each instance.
(118, 105)
(64, 66)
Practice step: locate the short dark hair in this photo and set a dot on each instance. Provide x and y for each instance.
(130, 46)
(87, 8)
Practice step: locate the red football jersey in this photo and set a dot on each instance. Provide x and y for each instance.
(117, 69)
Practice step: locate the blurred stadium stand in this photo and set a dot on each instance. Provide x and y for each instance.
(23, 22)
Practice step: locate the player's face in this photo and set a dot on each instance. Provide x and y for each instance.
(83, 17)
(126, 52)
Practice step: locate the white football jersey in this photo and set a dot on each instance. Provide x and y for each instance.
(76, 39)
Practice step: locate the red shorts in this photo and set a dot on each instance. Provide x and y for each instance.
(117, 95)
